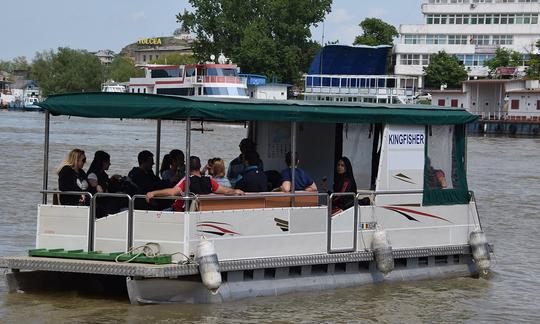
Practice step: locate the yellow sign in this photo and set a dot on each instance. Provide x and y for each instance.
(149, 41)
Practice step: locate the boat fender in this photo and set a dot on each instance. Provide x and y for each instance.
(208, 265)
(382, 251)
(480, 251)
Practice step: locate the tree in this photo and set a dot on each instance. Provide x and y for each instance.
(123, 68)
(533, 70)
(504, 58)
(376, 32)
(269, 37)
(175, 59)
(444, 69)
(67, 70)
(18, 63)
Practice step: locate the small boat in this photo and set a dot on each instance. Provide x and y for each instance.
(403, 223)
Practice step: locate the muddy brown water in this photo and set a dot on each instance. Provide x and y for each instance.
(504, 173)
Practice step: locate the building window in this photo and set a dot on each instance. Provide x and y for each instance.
(441, 102)
(453, 103)
(537, 104)
(144, 58)
(514, 104)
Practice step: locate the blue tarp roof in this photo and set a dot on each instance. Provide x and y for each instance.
(350, 60)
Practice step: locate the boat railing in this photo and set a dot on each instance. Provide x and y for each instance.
(222, 79)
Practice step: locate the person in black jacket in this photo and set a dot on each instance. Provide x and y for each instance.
(143, 176)
(71, 177)
(144, 179)
(252, 179)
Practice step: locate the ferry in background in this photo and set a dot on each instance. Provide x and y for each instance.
(357, 74)
(208, 79)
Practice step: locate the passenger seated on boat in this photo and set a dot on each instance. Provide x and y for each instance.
(343, 182)
(198, 184)
(302, 179)
(237, 166)
(165, 164)
(71, 177)
(98, 179)
(218, 172)
(176, 168)
(436, 177)
(143, 176)
(252, 179)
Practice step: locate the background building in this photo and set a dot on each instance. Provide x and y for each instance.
(145, 50)
(470, 29)
(105, 56)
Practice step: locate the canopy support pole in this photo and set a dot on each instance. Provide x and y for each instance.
(188, 155)
(46, 155)
(158, 146)
(293, 159)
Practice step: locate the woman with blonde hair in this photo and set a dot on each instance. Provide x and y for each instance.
(218, 172)
(71, 177)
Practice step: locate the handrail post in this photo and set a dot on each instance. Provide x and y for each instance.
(158, 145)
(355, 224)
(131, 207)
(329, 225)
(188, 160)
(293, 160)
(46, 156)
(91, 224)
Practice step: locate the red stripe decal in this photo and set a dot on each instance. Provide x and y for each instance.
(415, 212)
(224, 230)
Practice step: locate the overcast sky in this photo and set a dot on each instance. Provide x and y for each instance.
(30, 26)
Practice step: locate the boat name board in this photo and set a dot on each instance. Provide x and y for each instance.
(406, 139)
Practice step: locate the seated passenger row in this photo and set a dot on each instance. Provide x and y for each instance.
(245, 174)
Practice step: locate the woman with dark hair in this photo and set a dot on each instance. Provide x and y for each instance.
(98, 179)
(165, 164)
(343, 182)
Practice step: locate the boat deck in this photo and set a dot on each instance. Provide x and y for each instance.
(27, 263)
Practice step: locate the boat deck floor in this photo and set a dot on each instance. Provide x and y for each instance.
(27, 263)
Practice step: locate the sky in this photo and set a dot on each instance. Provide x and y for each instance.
(30, 26)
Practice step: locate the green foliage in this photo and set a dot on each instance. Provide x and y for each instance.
(175, 59)
(504, 58)
(444, 69)
(123, 68)
(262, 36)
(67, 70)
(533, 70)
(376, 32)
(18, 63)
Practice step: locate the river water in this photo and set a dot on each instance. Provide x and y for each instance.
(504, 173)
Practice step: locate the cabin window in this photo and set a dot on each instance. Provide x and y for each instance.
(514, 104)
(165, 73)
(444, 167)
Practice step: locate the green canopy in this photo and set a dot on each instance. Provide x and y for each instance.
(147, 106)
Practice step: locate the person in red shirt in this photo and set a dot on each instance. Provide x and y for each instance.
(198, 184)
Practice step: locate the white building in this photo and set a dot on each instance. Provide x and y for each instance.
(495, 99)
(470, 29)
